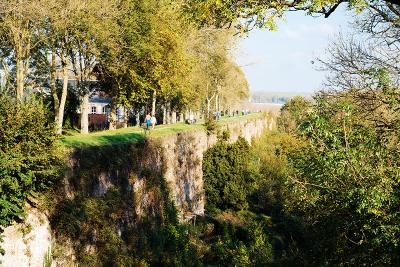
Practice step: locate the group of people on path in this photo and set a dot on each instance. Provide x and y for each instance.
(150, 121)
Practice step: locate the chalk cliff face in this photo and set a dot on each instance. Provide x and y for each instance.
(27, 244)
(146, 176)
(183, 157)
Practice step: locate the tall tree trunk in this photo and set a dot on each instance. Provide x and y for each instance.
(64, 93)
(84, 114)
(181, 117)
(216, 103)
(53, 88)
(208, 107)
(168, 113)
(164, 121)
(186, 115)
(113, 116)
(173, 117)
(153, 103)
(126, 115)
(137, 117)
(19, 73)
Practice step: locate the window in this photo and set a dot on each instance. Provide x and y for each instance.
(120, 114)
(104, 110)
(94, 110)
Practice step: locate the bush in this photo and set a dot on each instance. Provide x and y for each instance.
(211, 124)
(226, 177)
(29, 160)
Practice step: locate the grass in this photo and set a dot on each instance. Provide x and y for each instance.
(135, 134)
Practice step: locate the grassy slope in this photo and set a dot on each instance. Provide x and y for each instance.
(134, 134)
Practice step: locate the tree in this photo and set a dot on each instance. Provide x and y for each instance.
(19, 21)
(93, 27)
(344, 175)
(366, 70)
(293, 113)
(170, 58)
(43, 36)
(248, 14)
(51, 58)
(234, 89)
(116, 68)
(346, 182)
(147, 61)
(215, 77)
(226, 175)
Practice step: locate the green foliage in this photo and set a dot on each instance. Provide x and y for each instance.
(292, 114)
(346, 179)
(106, 230)
(29, 158)
(210, 124)
(227, 181)
(248, 14)
(235, 238)
(270, 162)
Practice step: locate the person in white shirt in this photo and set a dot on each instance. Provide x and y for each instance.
(153, 121)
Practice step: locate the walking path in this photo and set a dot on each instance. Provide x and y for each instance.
(132, 134)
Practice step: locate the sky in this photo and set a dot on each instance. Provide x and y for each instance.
(281, 61)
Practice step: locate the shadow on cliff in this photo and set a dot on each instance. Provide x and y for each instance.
(114, 209)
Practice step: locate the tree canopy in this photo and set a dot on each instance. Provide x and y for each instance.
(248, 14)
(134, 52)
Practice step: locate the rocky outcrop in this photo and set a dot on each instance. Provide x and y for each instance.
(27, 243)
(144, 176)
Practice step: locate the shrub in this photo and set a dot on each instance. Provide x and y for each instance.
(211, 124)
(29, 158)
(226, 177)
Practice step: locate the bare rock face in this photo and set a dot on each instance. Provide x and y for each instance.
(28, 243)
(183, 154)
(183, 159)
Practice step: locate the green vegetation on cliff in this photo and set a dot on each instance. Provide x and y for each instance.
(327, 182)
(30, 160)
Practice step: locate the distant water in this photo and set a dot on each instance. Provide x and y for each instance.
(265, 107)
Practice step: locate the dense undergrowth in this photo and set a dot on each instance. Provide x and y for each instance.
(327, 184)
(245, 194)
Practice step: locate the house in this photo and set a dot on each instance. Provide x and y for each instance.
(99, 112)
(99, 105)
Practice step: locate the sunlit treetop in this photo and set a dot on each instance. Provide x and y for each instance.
(248, 14)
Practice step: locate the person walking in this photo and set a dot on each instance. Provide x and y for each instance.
(153, 121)
(148, 121)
